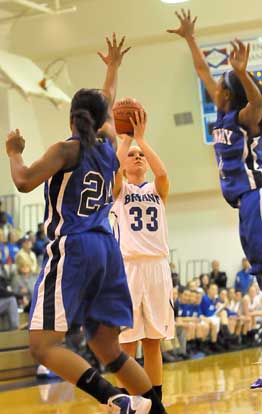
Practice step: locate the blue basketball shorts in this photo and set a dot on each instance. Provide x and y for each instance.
(82, 281)
(250, 228)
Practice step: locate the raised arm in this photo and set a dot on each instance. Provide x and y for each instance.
(251, 115)
(113, 60)
(122, 154)
(186, 30)
(27, 178)
(155, 163)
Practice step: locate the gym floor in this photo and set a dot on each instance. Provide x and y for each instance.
(213, 385)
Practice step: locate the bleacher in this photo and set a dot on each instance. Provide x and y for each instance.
(15, 358)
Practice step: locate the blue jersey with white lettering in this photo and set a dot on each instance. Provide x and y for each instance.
(239, 157)
(184, 309)
(208, 306)
(80, 199)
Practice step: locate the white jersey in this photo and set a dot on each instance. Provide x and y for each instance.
(142, 221)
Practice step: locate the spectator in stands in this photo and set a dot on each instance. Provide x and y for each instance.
(181, 351)
(31, 235)
(252, 310)
(186, 319)
(216, 276)
(204, 282)
(232, 315)
(3, 250)
(214, 312)
(174, 275)
(243, 278)
(40, 242)
(201, 325)
(8, 216)
(12, 246)
(234, 299)
(192, 284)
(8, 305)
(26, 256)
(235, 304)
(23, 283)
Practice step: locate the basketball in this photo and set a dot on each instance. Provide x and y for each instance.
(123, 110)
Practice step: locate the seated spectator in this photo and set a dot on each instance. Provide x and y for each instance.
(197, 281)
(218, 277)
(189, 313)
(192, 284)
(12, 246)
(26, 256)
(232, 315)
(8, 305)
(180, 351)
(235, 304)
(23, 284)
(234, 300)
(40, 243)
(31, 236)
(243, 278)
(214, 312)
(183, 311)
(201, 325)
(3, 248)
(174, 275)
(252, 310)
(8, 216)
(204, 282)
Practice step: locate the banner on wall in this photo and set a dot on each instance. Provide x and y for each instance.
(217, 57)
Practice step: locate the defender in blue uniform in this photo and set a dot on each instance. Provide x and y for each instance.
(82, 277)
(237, 139)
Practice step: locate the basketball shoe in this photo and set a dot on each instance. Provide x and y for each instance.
(127, 404)
(257, 384)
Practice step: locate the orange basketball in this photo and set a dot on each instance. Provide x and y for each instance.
(123, 110)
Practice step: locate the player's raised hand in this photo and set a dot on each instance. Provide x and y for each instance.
(115, 51)
(139, 125)
(187, 24)
(15, 143)
(239, 56)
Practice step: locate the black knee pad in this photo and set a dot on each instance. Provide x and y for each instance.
(117, 364)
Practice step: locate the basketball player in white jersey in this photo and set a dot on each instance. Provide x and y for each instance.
(140, 209)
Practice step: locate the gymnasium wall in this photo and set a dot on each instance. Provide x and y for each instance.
(158, 72)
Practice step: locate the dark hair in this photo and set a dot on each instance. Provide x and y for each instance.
(238, 95)
(181, 289)
(89, 110)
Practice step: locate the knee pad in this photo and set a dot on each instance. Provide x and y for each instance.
(117, 364)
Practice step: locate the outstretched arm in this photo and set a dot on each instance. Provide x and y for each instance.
(155, 163)
(251, 115)
(122, 154)
(113, 60)
(186, 30)
(27, 178)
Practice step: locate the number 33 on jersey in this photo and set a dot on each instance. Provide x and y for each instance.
(141, 217)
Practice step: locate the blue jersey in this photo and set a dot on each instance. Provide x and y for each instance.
(79, 200)
(243, 281)
(184, 309)
(239, 157)
(208, 306)
(196, 311)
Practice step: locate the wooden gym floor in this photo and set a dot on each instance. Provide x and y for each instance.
(213, 385)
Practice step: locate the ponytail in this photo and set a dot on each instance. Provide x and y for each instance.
(89, 110)
(84, 124)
